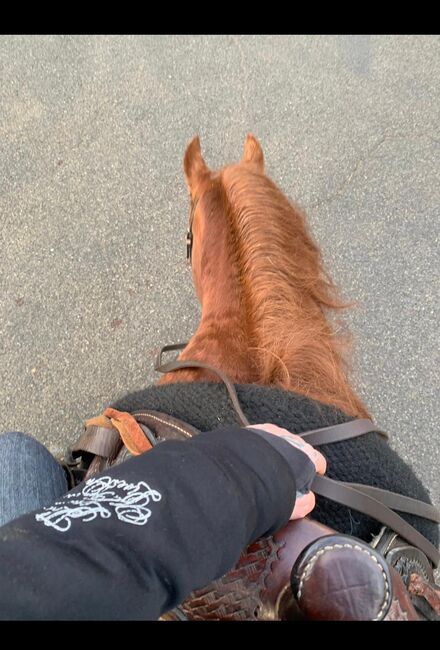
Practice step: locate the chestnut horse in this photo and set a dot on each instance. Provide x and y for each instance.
(266, 299)
(266, 319)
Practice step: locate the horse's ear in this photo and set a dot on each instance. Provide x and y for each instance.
(253, 153)
(193, 164)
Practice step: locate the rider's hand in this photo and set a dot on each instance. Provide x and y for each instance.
(304, 503)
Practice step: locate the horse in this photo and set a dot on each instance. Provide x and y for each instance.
(268, 331)
(266, 298)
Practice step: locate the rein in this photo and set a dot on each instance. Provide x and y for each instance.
(176, 365)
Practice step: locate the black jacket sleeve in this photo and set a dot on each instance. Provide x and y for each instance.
(132, 542)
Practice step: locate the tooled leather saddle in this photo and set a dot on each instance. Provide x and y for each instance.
(306, 570)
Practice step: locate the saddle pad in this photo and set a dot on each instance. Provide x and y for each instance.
(368, 459)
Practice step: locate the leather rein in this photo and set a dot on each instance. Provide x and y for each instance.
(377, 503)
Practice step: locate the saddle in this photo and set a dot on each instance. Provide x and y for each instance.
(305, 571)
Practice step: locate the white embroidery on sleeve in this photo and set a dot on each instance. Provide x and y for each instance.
(101, 497)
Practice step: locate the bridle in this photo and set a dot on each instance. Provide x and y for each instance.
(189, 234)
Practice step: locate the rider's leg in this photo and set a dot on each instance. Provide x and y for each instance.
(30, 477)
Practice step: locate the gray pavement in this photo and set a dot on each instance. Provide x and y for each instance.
(93, 208)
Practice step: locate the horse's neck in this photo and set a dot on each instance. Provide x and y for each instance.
(222, 339)
(276, 333)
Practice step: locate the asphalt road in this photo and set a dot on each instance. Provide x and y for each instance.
(93, 208)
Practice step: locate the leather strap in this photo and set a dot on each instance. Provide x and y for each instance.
(358, 500)
(399, 502)
(339, 432)
(426, 597)
(103, 439)
(178, 365)
(131, 433)
(97, 440)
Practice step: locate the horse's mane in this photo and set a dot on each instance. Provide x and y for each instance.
(287, 294)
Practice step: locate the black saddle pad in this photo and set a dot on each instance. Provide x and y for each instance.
(368, 459)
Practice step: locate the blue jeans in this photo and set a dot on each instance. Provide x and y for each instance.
(30, 477)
